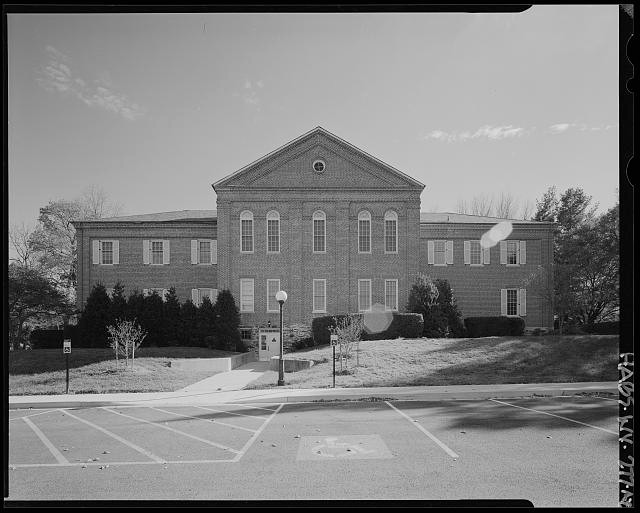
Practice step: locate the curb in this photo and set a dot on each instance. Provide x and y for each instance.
(343, 394)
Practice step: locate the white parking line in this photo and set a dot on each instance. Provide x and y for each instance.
(256, 434)
(56, 453)
(253, 407)
(232, 413)
(205, 420)
(114, 463)
(442, 445)
(133, 446)
(32, 415)
(209, 442)
(554, 415)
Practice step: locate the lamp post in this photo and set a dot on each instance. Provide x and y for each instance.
(281, 297)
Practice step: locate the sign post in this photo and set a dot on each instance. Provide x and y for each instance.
(334, 341)
(66, 349)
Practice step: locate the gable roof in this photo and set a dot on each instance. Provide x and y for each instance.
(160, 217)
(453, 217)
(223, 182)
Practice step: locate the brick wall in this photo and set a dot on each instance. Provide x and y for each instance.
(131, 272)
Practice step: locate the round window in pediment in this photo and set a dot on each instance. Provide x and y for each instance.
(319, 166)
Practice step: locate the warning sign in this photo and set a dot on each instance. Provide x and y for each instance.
(66, 346)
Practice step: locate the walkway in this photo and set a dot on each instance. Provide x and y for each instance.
(235, 379)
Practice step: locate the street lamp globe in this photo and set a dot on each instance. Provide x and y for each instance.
(281, 296)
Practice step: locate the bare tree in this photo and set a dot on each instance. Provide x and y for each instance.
(22, 239)
(505, 206)
(527, 210)
(482, 205)
(462, 207)
(95, 204)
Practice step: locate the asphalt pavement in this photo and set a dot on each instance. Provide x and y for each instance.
(553, 451)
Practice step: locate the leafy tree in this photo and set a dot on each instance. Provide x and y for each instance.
(205, 320)
(124, 338)
(151, 318)
(118, 302)
(135, 306)
(423, 297)
(447, 307)
(188, 319)
(95, 318)
(31, 296)
(171, 318)
(227, 326)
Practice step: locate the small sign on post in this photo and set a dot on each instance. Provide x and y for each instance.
(334, 342)
(66, 346)
(66, 350)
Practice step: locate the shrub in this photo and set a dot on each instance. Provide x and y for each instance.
(95, 318)
(188, 331)
(439, 309)
(603, 328)
(171, 318)
(124, 338)
(151, 319)
(302, 343)
(46, 339)
(205, 322)
(320, 328)
(407, 325)
(227, 323)
(493, 326)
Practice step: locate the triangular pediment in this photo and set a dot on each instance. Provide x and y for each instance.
(292, 166)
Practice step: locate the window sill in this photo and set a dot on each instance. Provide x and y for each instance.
(318, 311)
(512, 265)
(476, 265)
(390, 252)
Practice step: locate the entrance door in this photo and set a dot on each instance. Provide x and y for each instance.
(268, 344)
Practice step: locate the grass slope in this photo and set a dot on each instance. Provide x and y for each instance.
(479, 361)
(42, 371)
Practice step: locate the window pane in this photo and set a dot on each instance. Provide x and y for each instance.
(390, 232)
(439, 251)
(318, 235)
(364, 236)
(273, 235)
(247, 234)
(390, 296)
(512, 302)
(107, 252)
(156, 252)
(273, 286)
(319, 295)
(364, 295)
(476, 252)
(512, 252)
(246, 295)
(205, 252)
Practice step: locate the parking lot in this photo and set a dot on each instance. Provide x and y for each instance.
(552, 451)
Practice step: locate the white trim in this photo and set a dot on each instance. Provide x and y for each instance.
(95, 250)
(253, 295)
(522, 302)
(324, 296)
(277, 309)
(247, 215)
(150, 251)
(370, 303)
(507, 302)
(318, 215)
(195, 251)
(276, 218)
(200, 241)
(390, 215)
(522, 253)
(364, 215)
(385, 295)
(214, 251)
(114, 248)
(146, 252)
(166, 252)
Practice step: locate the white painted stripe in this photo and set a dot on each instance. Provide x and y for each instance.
(32, 415)
(208, 442)
(133, 446)
(56, 453)
(114, 463)
(253, 407)
(442, 445)
(256, 434)
(205, 420)
(554, 415)
(232, 413)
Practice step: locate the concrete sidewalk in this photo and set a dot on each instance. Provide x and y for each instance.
(283, 395)
(235, 379)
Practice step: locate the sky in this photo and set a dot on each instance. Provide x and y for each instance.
(154, 108)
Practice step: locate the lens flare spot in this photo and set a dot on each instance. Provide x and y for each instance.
(497, 233)
(378, 319)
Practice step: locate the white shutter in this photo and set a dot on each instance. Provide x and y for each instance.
(448, 252)
(116, 251)
(145, 292)
(503, 251)
(214, 296)
(430, 252)
(487, 255)
(523, 252)
(467, 252)
(195, 296)
(214, 252)
(194, 251)
(522, 302)
(96, 251)
(503, 301)
(145, 251)
(165, 293)
(165, 251)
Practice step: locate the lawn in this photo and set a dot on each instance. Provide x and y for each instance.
(93, 371)
(479, 361)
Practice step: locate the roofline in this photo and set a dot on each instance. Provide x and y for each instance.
(317, 129)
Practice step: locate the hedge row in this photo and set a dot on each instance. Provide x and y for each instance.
(493, 326)
(52, 339)
(603, 328)
(407, 325)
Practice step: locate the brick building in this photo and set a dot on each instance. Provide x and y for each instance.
(338, 229)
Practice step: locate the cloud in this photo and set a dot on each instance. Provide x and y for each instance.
(56, 75)
(563, 127)
(249, 93)
(494, 133)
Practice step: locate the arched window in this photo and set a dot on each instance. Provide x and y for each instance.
(319, 232)
(273, 232)
(246, 232)
(364, 232)
(390, 232)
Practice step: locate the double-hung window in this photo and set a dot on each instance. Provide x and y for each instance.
(440, 252)
(319, 296)
(204, 251)
(364, 295)
(246, 295)
(273, 286)
(391, 232)
(319, 232)
(391, 294)
(246, 232)
(513, 252)
(157, 252)
(364, 232)
(106, 252)
(513, 302)
(273, 232)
